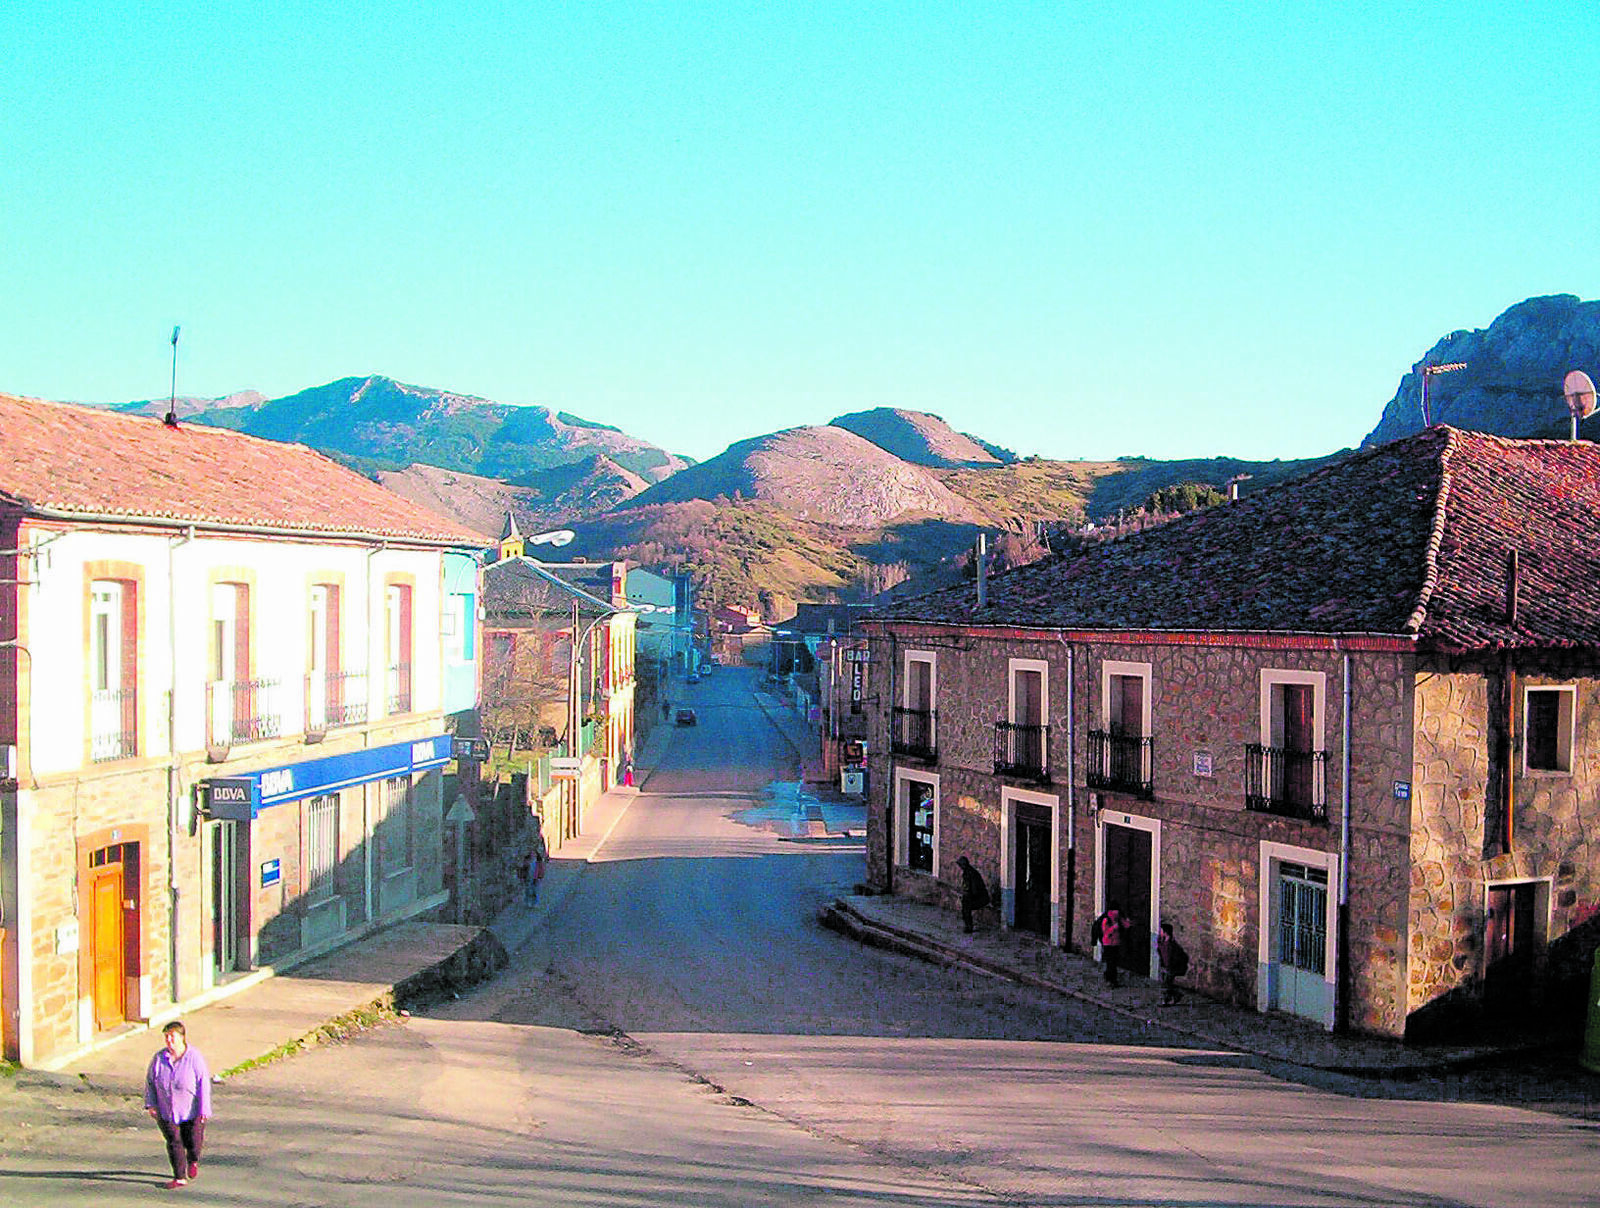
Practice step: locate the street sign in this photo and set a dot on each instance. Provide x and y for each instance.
(472, 749)
(461, 811)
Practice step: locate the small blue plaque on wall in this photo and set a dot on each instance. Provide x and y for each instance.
(1402, 790)
(271, 873)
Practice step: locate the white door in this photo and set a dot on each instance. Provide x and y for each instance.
(224, 633)
(105, 669)
(1300, 947)
(317, 671)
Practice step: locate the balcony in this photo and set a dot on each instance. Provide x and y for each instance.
(1022, 752)
(1291, 784)
(397, 682)
(334, 699)
(912, 732)
(113, 730)
(1122, 763)
(240, 711)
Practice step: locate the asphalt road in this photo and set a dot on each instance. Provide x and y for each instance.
(686, 1033)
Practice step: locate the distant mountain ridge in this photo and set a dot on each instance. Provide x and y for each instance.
(1512, 381)
(381, 423)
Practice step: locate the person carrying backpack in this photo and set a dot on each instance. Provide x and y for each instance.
(974, 893)
(1108, 931)
(1174, 964)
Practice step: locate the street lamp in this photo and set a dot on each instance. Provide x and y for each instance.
(1427, 372)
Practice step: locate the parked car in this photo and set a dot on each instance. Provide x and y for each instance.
(686, 717)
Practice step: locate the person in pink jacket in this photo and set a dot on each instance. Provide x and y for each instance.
(177, 1093)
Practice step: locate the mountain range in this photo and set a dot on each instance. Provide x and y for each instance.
(839, 509)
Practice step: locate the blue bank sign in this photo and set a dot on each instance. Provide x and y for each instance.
(243, 797)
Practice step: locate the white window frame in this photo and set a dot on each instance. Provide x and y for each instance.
(919, 656)
(1270, 857)
(902, 818)
(1009, 797)
(1566, 718)
(1043, 668)
(1110, 669)
(1272, 721)
(322, 848)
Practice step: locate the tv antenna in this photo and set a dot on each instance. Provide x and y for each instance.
(1579, 389)
(171, 417)
(1427, 372)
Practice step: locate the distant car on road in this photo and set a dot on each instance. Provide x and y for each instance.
(686, 717)
(694, 677)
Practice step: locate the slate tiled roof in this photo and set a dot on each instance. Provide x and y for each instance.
(1408, 539)
(81, 461)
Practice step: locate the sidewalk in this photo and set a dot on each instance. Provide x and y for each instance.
(264, 1013)
(928, 932)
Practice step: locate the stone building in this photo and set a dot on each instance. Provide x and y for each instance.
(1344, 734)
(226, 669)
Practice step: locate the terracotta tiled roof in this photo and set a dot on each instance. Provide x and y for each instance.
(1409, 539)
(81, 461)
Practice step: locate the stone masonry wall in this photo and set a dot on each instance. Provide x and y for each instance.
(1455, 852)
(1204, 700)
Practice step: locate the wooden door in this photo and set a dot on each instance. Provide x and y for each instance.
(1299, 739)
(1127, 883)
(106, 949)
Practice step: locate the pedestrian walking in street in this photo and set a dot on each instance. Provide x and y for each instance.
(177, 1094)
(533, 863)
(1108, 931)
(1174, 964)
(974, 893)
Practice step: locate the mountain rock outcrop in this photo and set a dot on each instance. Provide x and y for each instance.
(1514, 368)
(920, 438)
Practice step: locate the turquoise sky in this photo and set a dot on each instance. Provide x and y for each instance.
(1073, 229)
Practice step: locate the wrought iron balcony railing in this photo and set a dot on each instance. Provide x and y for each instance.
(113, 725)
(1022, 752)
(1122, 763)
(333, 699)
(1291, 784)
(241, 711)
(914, 732)
(397, 679)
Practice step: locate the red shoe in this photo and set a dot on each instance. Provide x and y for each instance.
(194, 1170)
(174, 1184)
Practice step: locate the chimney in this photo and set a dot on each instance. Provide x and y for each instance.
(983, 570)
(1513, 586)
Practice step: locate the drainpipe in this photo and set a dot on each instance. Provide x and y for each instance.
(889, 838)
(172, 758)
(1068, 911)
(1341, 1021)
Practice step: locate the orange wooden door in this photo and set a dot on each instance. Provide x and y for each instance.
(106, 946)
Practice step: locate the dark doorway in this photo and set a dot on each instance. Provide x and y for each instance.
(1127, 883)
(1509, 946)
(1030, 869)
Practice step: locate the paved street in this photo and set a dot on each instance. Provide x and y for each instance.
(685, 1033)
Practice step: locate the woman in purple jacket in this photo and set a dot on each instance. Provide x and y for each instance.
(177, 1093)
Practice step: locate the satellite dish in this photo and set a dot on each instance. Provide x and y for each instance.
(1579, 389)
(556, 537)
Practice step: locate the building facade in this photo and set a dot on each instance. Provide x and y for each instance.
(1344, 735)
(227, 666)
